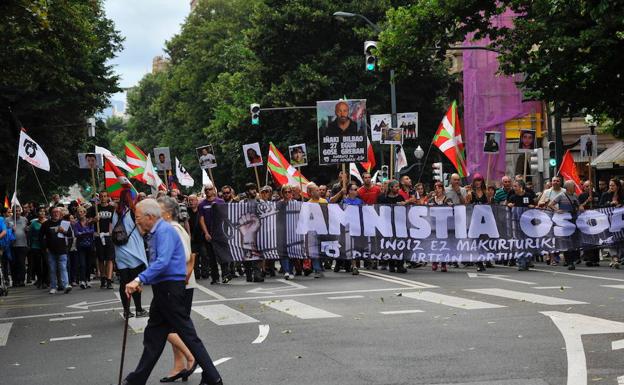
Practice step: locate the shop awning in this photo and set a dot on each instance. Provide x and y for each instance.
(610, 157)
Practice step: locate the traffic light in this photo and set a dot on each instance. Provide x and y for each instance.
(552, 153)
(371, 59)
(255, 113)
(536, 161)
(384, 173)
(438, 174)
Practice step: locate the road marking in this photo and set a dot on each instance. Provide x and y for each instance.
(215, 363)
(499, 277)
(572, 327)
(400, 281)
(76, 337)
(137, 324)
(529, 297)
(223, 315)
(401, 312)
(259, 297)
(613, 286)
(268, 290)
(263, 332)
(65, 318)
(447, 300)
(299, 310)
(347, 297)
(84, 305)
(617, 345)
(572, 274)
(551, 287)
(209, 292)
(620, 380)
(5, 328)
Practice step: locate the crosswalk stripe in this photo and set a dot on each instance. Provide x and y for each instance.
(394, 279)
(617, 345)
(614, 286)
(551, 287)
(5, 328)
(447, 300)
(76, 337)
(401, 312)
(65, 318)
(298, 309)
(347, 297)
(529, 297)
(223, 315)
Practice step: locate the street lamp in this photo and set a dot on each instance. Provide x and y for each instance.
(419, 153)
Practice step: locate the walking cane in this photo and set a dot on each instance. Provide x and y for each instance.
(123, 346)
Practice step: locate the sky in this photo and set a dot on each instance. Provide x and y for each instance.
(146, 25)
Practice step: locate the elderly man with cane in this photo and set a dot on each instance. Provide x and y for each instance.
(167, 274)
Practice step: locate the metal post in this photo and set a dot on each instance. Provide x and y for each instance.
(558, 137)
(393, 109)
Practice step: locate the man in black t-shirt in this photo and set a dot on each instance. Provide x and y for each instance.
(198, 246)
(104, 247)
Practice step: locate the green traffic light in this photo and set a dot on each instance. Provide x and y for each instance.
(370, 66)
(553, 162)
(255, 121)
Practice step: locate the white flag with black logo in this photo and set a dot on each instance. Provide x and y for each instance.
(183, 176)
(30, 151)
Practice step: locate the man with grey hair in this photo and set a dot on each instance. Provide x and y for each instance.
(567, 201)
(455, 192)
(167, 275)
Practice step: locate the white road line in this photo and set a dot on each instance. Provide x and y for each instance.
(65, 318)
(137, 324)
(400, 281)
(617, 345)
(263, 332)
(291, 283)
(401, 312)
(210, 292)
(620, 380)
(223, 315)
(447, 300)
(76, 337)
(572, 327)
(5, 328)
(551, 287)
(117, 296)
(347, 297)
(529, 297)
(299, 310)
(572, 274)
(613, 286)
(215, 363)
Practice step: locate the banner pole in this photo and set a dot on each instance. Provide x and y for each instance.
(166, 180)
(39, 183)
(526, 159)
(257, 177)
(212, 179)
(591, 182)
(15, 190)
(266, 176)
(391, 161)
(487, 174)
(344, 179)
(300, 181)
(95, 204)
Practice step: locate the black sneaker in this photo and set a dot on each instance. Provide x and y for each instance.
(142, 313)
(109, 284)
(102, 283)
(68, 288)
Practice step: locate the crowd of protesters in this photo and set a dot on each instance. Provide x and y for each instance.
(59, 247)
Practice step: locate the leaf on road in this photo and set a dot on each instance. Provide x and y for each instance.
(287, 331)
(381, 299)
(561, 288)
(399, 294)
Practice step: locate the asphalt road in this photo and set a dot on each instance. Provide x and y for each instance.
(548, 326)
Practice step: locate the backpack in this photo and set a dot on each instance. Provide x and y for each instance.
(9, 238)
(119, 235)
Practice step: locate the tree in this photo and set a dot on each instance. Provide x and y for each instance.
(53, 75)
(568, 50)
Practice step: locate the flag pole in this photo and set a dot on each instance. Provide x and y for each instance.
(214, 184)
(39, 183)
(95, 203)
(526, 158)
(15, 190)
(392, 156)
(487, 174)
(300, 181)
(166, 180)
(257, 177)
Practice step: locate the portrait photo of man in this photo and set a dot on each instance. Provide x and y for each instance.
(342, 131)
(298, 155)
(163, 158)
(90, 160)
(206, 157)
(527, 141)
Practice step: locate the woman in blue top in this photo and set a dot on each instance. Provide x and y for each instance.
(130, 258)
(83, 230)
(353, 199)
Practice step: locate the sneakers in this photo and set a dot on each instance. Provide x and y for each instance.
(102, 283)
(128, 314)
(318, 274)
(287, 276)
(142, 313)
(571, 266)
(355, 271)
(83, 285)
(443, 268)
(68, 288)
(52, 291)
(109, 284)
(434, 266)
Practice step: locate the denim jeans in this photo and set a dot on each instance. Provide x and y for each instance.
(59, 261)
(316, 265)
(286, 266)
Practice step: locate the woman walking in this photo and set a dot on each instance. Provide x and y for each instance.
(130, 256)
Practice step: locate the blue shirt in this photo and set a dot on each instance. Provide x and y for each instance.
(167, 261)
(132, 254)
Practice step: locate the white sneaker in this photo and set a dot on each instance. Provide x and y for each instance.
(52, 291)
(287, 276)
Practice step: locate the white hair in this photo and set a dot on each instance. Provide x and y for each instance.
(150, 207)
(569, 184)
(311, 185)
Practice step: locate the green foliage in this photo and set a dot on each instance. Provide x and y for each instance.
(230, 54)
(53, 75)
(569, 51)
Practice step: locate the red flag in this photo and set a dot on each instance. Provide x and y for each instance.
(6, 202)
(116, 180)
(449, 140)
(568, 171)
(368, 166)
